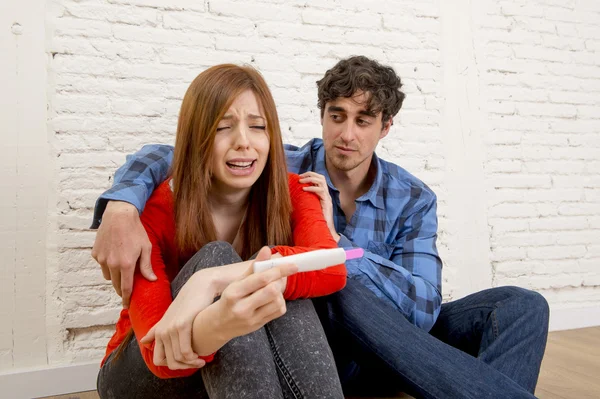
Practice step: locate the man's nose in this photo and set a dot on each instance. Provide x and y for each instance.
(348, 132)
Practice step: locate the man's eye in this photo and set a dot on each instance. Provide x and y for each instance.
(336, 117)
(363, 122)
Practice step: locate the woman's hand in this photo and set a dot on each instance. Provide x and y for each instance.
(245, 306)
(320, 187)
(173, 333)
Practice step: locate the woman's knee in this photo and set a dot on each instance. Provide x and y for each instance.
(216, 253)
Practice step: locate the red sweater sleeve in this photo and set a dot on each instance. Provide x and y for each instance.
(310, 232)
(150, 300)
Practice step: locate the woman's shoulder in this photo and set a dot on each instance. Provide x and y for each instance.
(293, 178)
(294, 181)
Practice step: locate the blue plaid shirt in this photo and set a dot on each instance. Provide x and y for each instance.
(395, 222)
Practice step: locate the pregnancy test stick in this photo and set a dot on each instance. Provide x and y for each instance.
(314, 260)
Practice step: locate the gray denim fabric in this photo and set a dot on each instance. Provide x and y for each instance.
(288, 358)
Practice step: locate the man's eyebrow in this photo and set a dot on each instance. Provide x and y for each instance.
(368, 113)
(335, 108)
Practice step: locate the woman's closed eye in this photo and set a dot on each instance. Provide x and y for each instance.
(220, 128)
(261, 127)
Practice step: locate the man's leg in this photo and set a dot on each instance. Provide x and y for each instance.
(423, 365)
(505, 327)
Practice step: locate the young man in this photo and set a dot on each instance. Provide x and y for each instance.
(382, 327)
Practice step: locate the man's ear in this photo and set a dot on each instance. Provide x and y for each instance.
(386, 128)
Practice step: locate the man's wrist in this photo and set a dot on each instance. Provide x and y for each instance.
(120, 207)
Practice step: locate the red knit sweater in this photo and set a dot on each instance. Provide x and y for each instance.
(150, 300)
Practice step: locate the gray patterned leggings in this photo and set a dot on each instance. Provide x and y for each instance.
(287, 358)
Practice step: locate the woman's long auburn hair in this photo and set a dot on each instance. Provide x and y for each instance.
(206, 101)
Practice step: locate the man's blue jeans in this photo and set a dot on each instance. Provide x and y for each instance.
(486, 345)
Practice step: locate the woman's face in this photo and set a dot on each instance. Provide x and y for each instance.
(241, 146)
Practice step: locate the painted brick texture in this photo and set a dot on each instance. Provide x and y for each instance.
(542, 90)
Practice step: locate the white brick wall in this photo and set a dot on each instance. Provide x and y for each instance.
(541, 73)
(501, 120)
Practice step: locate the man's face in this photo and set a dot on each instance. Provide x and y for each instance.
(351, 132)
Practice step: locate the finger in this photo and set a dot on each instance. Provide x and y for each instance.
(172, 363)
(149, 337)
(263, 254)
(127, 285)
(271, 310)
(159, 357)
(312, 180)
(254, 282)
(105, 272)
(145, 265)
(262, 297)
(314, 189)
(115, 276)
(185, 345)
(310, 174)
(175, 349)
(313, 175)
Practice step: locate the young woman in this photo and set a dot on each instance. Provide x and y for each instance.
(229, 196)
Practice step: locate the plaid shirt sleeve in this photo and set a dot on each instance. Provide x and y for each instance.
(137, 178)
(411, 278)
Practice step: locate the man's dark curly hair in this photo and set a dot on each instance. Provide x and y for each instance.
(359, 73)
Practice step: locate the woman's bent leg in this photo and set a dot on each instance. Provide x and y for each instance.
(244, 367)
(302, 355)
(129, 377)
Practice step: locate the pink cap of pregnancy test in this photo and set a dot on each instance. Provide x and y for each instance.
(354, 253)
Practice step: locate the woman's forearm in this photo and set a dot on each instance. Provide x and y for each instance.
(206, 337)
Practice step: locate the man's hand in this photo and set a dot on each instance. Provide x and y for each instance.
(120, 242)
(320, 187)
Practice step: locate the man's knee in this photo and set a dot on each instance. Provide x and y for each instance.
(530, 302)
(538, 303)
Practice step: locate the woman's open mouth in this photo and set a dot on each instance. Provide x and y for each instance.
(241, 167)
